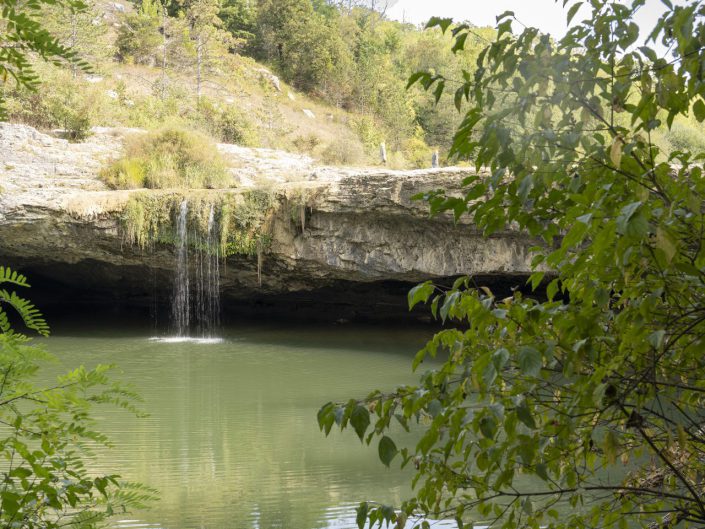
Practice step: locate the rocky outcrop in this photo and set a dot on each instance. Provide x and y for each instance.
(330, 226)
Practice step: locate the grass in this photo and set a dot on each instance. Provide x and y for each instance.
(168, 158)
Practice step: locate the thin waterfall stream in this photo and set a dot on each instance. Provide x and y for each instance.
(201, 310)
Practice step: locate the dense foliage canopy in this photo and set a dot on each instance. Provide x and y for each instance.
(583, 407)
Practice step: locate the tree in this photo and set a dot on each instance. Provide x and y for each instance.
(45, 482)
(142, 34)
(595, 386)
(432, 51)
(239, 18)
(23, 35)
(207, 43)
(83, 31)
(304, 43)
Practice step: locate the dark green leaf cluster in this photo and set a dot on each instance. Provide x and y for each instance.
(585, 409)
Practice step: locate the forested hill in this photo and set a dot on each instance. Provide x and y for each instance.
(325, 78)
(298, 75)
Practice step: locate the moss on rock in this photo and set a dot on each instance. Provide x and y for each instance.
(242, 219)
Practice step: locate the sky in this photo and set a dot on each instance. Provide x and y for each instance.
(547, 15)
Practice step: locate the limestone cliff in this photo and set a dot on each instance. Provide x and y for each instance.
(327, 226)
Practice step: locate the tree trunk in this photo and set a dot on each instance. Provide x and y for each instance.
(74, 72)
(199, 60)
(164, 50)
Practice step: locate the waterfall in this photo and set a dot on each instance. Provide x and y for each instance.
(180, 303)
(207, 312)
(202, 309)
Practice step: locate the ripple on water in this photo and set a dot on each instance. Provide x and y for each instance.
(231, 440)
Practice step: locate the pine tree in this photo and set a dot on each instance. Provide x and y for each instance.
(206, 42)
(82, 30)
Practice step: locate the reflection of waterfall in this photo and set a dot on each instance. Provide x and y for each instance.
(204, 310)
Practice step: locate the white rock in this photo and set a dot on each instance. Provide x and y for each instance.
(309, 113)
(273, 79)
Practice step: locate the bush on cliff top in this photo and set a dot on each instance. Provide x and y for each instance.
(169, 158)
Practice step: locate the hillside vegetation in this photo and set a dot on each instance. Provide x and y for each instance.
(327, 79)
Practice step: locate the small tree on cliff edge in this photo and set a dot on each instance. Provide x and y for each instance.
(598, 393)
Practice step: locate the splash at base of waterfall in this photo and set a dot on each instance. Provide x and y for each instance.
(185, 339)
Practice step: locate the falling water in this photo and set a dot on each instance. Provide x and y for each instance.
(204, 310)
(208, 282)
(180, 304)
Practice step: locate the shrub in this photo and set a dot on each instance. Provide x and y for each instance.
(28, 107)
(74, 107)
(306, 143)
(154, 110)
(417, 153)
(127, 173)
(343, 151)
(235, 127)
(368, 131)
(229, 124)
(64, 103)
(685, 137)
(170, 158)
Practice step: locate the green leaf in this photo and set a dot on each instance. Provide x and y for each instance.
(387, 450)
(656, 339)
(21, 472)
(360, 420)
(542, 471)
(625, 216)
(524, 415)
(448, 304)
(10, 503)
(488, 426)
(530, 361)
(417, 77)
(611, 446)
(573, 11)
(361, 517)
(667, 243)
(699, 110)
(443, 23)
(420, 293)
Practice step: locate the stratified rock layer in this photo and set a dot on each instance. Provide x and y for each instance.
(361, 226)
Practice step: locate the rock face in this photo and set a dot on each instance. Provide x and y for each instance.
(356, 229)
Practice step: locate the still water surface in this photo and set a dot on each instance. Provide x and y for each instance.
(232, 440)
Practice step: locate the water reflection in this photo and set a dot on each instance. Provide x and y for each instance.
(232, 439)
(342, 517)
